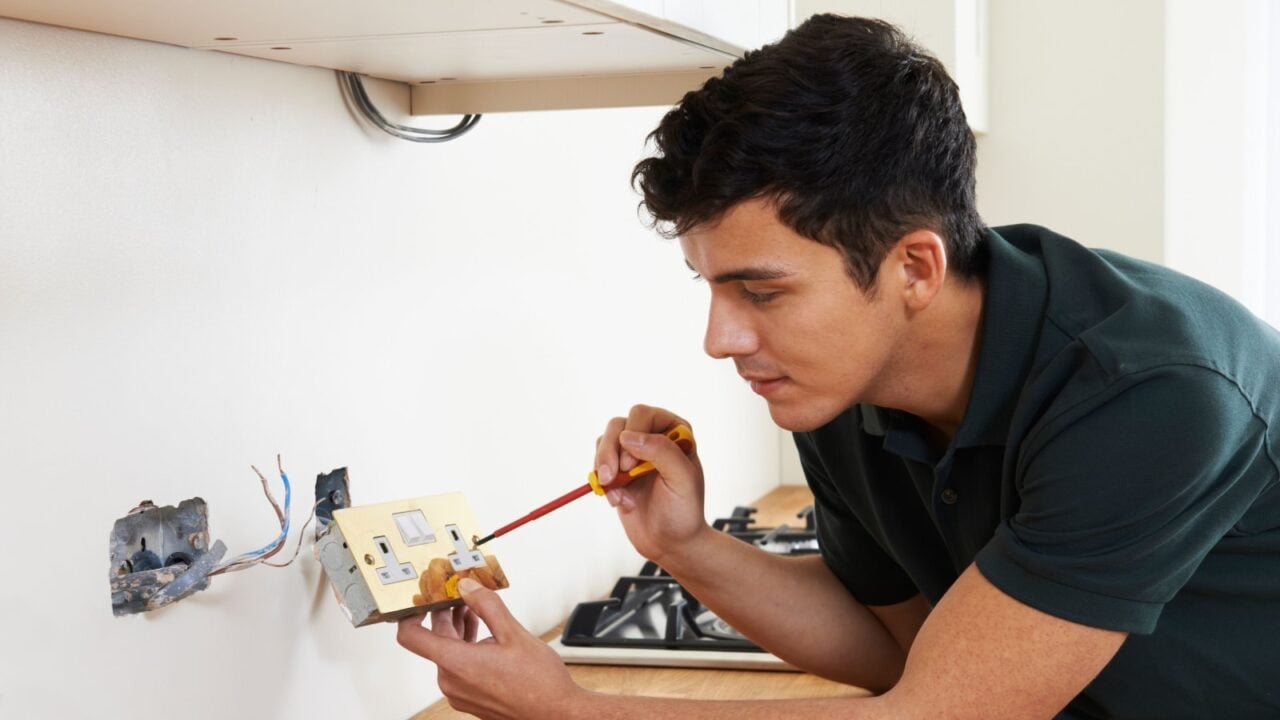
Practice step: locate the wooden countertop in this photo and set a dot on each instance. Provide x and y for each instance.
(779, 506)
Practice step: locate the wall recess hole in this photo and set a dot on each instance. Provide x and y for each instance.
(146, 543)
(177, 558)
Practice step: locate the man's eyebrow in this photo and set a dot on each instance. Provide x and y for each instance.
(748, 273)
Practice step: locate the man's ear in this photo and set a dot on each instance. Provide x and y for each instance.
(921, 257)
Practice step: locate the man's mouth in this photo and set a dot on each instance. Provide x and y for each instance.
(765, 385)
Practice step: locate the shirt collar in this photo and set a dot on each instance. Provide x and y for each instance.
(1012, 314)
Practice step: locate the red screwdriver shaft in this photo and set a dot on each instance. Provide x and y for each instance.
(537, 513)
(680, 435)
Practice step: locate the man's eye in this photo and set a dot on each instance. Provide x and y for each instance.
(757, 298)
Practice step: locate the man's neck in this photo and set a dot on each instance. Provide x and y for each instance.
(935, 367)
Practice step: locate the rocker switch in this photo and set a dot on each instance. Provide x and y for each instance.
(414, 528)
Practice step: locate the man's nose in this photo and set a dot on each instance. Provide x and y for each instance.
(728, 333)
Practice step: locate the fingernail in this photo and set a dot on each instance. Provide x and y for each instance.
(612, 497)
(631, 438)
(466, 585)
(604, 474)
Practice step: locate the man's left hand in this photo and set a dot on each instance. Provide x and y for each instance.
(509, 675)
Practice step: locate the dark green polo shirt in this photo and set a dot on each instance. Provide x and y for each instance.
(1116, 466)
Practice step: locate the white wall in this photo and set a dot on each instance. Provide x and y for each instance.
(1076, 121)
(1143, 127)
(204, 261)
(1217, 124)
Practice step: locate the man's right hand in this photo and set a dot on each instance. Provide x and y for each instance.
(661, 514)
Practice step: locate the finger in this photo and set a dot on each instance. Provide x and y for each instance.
(442, 623)
(612, 458)
(676, 468)
(418, 640)
(489, 607)
(647, 419)
(607, 451)
(622, 499)
(459, 620)
(626, 461)
(614, 496)
(471, 627)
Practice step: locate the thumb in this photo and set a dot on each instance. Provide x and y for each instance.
(489, 607)
(667, 457)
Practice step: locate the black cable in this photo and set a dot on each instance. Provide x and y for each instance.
(355, 95)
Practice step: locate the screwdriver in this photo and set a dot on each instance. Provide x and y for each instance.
(681, 435)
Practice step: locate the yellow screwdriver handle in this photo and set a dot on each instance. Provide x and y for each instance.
(681, 435)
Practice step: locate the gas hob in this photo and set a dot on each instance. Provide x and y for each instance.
(650, 619)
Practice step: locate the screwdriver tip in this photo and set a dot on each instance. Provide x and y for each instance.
(477, 543)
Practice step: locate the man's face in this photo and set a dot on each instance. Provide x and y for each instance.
(786, 312)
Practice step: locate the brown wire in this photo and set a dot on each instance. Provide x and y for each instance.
(301, 535)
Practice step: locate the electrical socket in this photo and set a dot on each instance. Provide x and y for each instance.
(392, 570)
(370, 552)
(462, 557)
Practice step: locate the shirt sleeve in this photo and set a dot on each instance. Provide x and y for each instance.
(1125, 493)
(870, 574)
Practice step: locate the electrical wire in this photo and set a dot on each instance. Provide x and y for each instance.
(353, 92)
(301, 534)
(247, 560)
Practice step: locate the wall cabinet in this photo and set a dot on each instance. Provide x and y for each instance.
(475, 56)
(458, 55)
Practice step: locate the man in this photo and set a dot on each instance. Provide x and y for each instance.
(1045, 477)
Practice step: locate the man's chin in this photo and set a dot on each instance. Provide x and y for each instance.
(797, 420)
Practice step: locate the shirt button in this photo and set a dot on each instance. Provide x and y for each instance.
(950, 496)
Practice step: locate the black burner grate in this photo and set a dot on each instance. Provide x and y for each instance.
(652, 609)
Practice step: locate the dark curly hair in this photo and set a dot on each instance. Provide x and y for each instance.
(853, 130)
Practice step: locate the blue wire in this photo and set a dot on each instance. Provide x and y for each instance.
(284, 531)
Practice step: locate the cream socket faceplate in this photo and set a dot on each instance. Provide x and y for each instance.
(393, 559)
